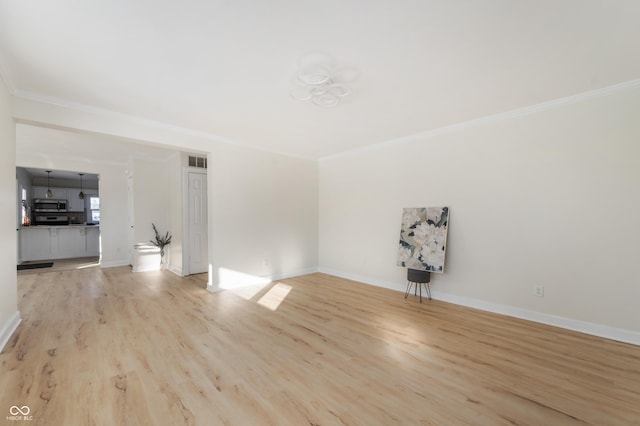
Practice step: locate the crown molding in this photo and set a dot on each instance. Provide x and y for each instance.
(5, 75)
(503, 116)
(103, 112)
(133, 119)
(25, 160)
(428, 134)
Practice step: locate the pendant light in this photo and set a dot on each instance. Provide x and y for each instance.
(81, 194)
(49, 193)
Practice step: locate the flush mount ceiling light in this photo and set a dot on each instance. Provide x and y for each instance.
(316, 82)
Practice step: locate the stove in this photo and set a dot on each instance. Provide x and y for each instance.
(51, 220)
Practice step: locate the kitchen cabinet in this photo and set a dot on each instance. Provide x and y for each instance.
(35, 243)
(74, 203)
(93, 241)
(58, 193)
(59, 242)
(68, 242)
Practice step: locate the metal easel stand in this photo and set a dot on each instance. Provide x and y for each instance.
(417, 279)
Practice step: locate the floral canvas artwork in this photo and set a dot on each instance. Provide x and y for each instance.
(423, 238)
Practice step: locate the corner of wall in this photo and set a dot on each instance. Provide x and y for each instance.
(9, 328)
(177, 271)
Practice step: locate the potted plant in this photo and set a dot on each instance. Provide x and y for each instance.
(161, 242)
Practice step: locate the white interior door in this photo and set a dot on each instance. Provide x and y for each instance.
(197, 223)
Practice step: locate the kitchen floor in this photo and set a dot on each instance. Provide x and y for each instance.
(63, 265)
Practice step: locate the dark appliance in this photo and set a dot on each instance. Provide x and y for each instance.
(51, 220)
(44, 205)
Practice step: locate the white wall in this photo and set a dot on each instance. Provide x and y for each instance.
(174, 170)
(550, 199)
(9, 315)
(263, 215)
(151, 196)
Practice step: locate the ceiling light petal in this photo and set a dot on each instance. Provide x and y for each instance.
(318, 85)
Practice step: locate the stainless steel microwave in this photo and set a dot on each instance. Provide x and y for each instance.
(45, 205)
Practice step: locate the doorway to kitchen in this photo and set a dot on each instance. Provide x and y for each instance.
(58, 219)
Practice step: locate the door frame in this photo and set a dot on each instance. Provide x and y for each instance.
(130, 218)
(186, 243)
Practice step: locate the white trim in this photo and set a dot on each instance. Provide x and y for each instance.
(362, 279)
(176, 271)
(502, 116)
(210, 287)
(276, 277)
(292, 274)
(600, 330)
(5, 75)
(185, 220)
(527, 110)
(9, 328)
(114, 263)
(146, 268)
(110, 114)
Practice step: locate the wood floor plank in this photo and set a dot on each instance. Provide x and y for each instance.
(107, 346)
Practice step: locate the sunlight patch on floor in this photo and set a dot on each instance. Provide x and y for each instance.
(244, 285)
(275, 296)
(88, 265)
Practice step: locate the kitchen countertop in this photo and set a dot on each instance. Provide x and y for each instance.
(59, 226)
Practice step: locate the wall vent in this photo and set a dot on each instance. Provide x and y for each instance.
(199, 162)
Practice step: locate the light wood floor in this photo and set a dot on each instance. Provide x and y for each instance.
(109, 347)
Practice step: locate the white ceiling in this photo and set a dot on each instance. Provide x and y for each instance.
(226, 67)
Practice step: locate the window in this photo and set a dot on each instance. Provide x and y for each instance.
(24, 215)
(94, 209)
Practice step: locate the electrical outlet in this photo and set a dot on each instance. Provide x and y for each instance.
(539, 291)
(265, 262)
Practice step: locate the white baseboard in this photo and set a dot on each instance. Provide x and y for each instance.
(146, 268)
(8, 328)
(600, 330)
(363, 279)
(291, 274)
(276, 277)
(177, 271)
(114, 263)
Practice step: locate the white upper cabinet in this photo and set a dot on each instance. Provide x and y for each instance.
(58, 193)
(74, 203)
